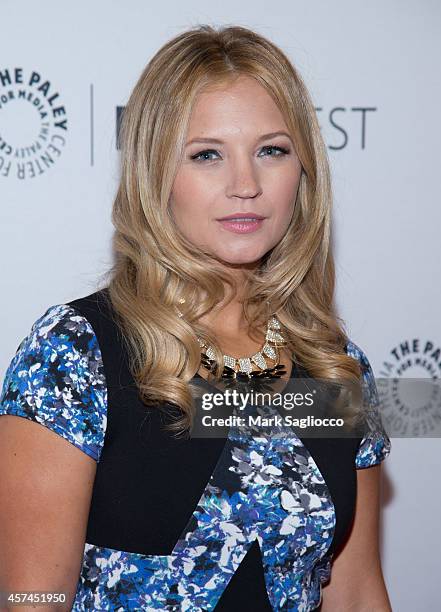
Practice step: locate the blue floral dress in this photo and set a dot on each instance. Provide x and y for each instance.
(266, 490)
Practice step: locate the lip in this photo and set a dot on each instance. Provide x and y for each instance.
(242, 227)
(240, 215)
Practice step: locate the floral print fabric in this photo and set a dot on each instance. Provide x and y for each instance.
(56, 378)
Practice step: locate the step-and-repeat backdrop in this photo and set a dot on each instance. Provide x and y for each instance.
(67, 69)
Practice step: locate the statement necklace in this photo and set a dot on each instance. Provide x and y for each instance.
(238, 372)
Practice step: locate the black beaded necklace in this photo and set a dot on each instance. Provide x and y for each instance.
(238, 373)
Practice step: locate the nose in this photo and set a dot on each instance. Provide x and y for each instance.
(244, 180)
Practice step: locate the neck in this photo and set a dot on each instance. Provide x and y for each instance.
(228, 316)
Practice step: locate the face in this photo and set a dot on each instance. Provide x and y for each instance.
(238, 160)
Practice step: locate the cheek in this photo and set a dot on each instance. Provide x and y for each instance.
(192, 189)
(284, 195)
(190, 205)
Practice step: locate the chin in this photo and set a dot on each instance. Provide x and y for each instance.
(240, 260)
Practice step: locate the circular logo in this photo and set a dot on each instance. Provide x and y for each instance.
(33, 124)
(409, 389)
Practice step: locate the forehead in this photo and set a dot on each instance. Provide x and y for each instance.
(244, 103)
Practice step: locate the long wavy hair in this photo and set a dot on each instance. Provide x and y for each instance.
(154, 265)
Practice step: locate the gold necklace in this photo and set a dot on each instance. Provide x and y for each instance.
(240, 369)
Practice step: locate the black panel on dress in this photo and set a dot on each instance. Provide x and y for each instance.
(149, 482)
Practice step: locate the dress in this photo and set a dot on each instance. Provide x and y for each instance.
(187, 524)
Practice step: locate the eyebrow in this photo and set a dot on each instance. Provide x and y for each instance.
(217, 141)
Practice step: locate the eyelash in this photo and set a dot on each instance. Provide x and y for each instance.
(283, 150)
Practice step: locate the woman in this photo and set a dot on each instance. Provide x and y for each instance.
(134, 513)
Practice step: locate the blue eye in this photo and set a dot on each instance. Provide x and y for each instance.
(197, 157)
(282, 150)
(202, 155)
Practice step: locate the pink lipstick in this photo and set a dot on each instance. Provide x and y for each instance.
(242, 223)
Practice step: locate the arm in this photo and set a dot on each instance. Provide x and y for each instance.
(52, 424)
(357, 583)
(45, 492)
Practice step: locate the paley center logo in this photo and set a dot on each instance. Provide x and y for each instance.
(33, 124)
(409, 389)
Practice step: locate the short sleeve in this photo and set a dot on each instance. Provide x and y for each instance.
(375, 446)
(56, 378)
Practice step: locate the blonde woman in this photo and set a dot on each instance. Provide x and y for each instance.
(222, 252)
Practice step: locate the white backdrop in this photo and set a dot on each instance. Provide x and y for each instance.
(380, 56)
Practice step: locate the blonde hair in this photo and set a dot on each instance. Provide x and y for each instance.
(155, 265)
